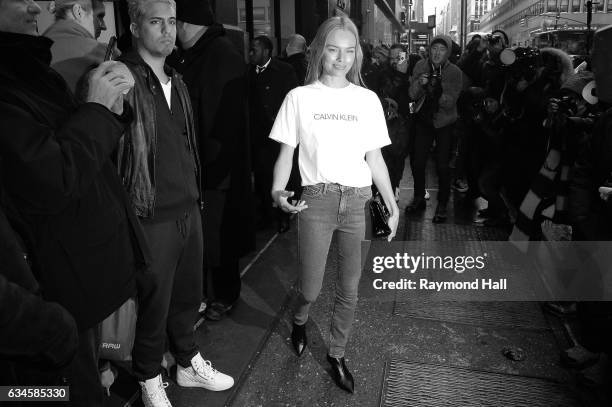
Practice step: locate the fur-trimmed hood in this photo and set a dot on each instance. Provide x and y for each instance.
(557, 64)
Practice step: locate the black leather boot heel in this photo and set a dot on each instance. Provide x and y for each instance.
(341, 374)
(298, 338)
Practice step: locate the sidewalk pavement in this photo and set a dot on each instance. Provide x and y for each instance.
(401, 352)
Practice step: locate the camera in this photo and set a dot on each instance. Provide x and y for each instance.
(567, 105)
(525, 64)
(493, 39)
(436, 76)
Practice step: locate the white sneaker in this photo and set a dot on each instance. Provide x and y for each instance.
(154, 392)
(202, 374)
(427, 196)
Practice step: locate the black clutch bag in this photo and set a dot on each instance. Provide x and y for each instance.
(379, 216)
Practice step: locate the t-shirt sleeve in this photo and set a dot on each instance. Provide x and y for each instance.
(378, 135)
(286, 123)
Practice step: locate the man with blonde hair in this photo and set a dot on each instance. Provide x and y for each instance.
(78, 25)
(159, 163)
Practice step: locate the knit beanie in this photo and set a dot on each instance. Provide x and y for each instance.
(198, 12)
(439, 41)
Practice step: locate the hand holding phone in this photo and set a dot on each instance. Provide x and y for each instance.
(108, 56)
(402, 57)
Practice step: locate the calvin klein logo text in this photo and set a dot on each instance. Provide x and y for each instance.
(335, 116)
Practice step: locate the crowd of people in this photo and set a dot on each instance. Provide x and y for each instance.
(145, 172)
(522, 128)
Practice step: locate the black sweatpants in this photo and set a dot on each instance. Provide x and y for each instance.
(424, 137)
(221, 266)
(169, 296)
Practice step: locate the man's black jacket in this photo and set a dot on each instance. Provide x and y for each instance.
(58, 176)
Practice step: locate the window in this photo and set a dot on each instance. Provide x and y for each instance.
(609, 9)
(541, 7)
(575, 6)
(598, 7)
(563, 6)
(259, 15)
(551, 5)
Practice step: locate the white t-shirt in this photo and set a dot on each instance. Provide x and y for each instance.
(167, 88)
(334, 127)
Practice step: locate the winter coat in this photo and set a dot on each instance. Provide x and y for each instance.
(34, 331)
(59, 176)
(300, 65)
(267, 90)
(590, 215)
(215, 75)
(451, 82)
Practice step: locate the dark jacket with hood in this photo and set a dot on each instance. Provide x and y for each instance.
(214, 72)
(57, 173)
(451, 86)
(138, 147)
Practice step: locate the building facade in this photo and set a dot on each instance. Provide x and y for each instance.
(449, 22)
(522, 19)
(378, 21)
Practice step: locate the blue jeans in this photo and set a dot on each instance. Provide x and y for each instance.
(331, 208)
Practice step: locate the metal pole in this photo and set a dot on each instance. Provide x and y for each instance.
(463, 24)
(248, 8)
(277, 27)
(589, 6)
(435, 28)
(408, 26)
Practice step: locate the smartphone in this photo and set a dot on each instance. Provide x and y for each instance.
(110, 48)
(402, 57)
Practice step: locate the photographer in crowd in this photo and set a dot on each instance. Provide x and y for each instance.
(435, 87)
(394, 86)
(567, 129)
(533, 78)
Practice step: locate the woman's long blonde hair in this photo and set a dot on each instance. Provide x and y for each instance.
(317, 47)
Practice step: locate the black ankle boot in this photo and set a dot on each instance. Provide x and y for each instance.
(441, 215)
(341, 374)
(417, 204)
(298, 338)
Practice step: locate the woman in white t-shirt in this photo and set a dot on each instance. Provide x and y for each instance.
(336, 122)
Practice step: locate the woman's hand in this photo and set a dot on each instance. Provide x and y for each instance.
(393, 222)
(281, 200)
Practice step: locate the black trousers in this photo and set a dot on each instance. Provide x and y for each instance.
(424, 137)
(169, 296)
(264, 158)
(221, 268)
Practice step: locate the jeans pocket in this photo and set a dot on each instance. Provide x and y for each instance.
(365, 192)
(313, 191)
